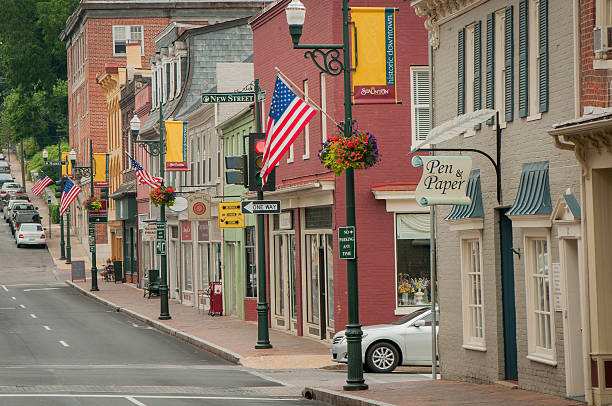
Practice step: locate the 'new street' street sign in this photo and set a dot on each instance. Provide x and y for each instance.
(346, 242)
(260, 206)
(242, 97)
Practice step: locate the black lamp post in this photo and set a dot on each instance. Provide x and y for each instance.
(157, 148)
(88, 171)
(327, 59)
(45, 155)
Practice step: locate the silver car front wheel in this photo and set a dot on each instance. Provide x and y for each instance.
(382, 357)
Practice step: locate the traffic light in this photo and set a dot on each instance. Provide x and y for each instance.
(238, 173)
(59, 188)
(104, 193)
(257, 145)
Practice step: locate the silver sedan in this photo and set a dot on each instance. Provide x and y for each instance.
(30, 234)
(406, 341)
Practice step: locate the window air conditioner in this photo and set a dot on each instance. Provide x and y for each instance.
(602, 39)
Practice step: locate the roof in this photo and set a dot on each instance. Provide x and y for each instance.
(126, 189)
(474, 209)
(572, 205)
(533, 195)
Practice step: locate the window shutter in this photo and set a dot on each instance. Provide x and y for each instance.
(490, 65)
(461, 72)
(543, 68)
(523, 67)
(509, 66)
(422, 119)
(477, 68)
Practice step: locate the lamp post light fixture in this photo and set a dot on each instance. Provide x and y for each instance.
(88, 171)
(156, 148)
(327, 59)
(45, 155)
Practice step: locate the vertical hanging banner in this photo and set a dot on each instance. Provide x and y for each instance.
(373, 55)
(444, 180)
(100, 169)
(176, 145)
(66, 169)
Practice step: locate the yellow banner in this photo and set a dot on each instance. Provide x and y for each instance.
(176, 145)
(101, 169)
(66, 169)
(373, 55)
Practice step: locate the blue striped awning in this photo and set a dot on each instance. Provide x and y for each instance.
(474, 209)
(533, 196)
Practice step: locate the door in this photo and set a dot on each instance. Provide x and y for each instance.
(417, 342)
(508, 308)
(319, 284)
(572, 329)
(134, 253)
(284, 274)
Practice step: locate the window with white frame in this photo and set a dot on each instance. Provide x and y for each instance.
(603, 12)
(540, 313)
(500, 66)
(412, 233)
(419, 103)
(123, 33)
(472, 297)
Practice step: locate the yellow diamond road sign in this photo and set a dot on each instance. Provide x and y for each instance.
(230, 215)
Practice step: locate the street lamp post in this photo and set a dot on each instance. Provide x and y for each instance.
(327, 59)
(157, 148)
(88, 171)
(45, 155)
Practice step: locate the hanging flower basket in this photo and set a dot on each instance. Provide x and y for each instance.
(93, 204)
(162, 196)
(359, 151)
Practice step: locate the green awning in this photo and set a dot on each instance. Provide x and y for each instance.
(533, 196)
(474, 209)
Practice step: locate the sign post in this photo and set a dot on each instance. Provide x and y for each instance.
(346, 242)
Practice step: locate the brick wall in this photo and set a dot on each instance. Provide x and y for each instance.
(595, 84)
(522, 142)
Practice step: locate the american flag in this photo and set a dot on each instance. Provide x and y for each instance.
(42, 183)
(68, 195)
(144, 177)
(288, 116)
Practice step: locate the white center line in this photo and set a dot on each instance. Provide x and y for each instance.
(4, 287)
(47, 328)
(64, 343)
(22, 306)
(14, 298)
(32, 315)
(134, 401)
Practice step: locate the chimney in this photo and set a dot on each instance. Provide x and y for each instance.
(134, 54)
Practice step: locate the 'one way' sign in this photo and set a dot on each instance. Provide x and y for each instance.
(260, 206)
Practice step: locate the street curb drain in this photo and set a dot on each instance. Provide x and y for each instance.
(338, 398)
(198, 342)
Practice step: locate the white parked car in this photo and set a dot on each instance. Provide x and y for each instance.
(406, 341)
(9, 207)
(9, 186)
(30, 234)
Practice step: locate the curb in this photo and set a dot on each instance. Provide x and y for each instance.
(198, 342)
(338, 398)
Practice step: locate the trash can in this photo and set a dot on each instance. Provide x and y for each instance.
(118, 269)
(216, 298)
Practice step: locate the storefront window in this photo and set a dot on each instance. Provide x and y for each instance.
(251, 263)
(188, 268)
(412, 258)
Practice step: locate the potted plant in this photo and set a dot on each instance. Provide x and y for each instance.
(93, 204)
(359, 151)
(162, 196)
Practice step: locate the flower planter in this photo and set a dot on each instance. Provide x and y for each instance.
(359, 151)
(162, 196)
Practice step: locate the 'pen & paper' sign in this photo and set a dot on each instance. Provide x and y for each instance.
(444, 179)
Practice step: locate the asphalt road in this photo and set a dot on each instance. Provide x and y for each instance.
(59, 348)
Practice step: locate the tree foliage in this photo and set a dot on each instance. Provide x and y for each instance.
(33, 87)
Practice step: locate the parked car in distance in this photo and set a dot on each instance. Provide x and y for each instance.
(406, 341)
(9, 186)
(9, 208)
(23, 218)
(23, 207)
(2, 157)
(5, 167)
(5, 177)
(30, 234)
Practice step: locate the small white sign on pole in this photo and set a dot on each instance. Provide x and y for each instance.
(444, 179)
(557, 289)
(149, 232)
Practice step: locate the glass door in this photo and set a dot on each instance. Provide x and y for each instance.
(284, 282)
(319, 284)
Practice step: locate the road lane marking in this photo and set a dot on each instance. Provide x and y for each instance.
(22, 306)
(29, 290)
(134, 401)
(4, 287)
(32, 315)
(47, 328)
(64, 343)
(14, 298)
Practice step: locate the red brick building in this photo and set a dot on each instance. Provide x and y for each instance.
(308, 287)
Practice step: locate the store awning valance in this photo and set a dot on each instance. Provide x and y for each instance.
(533, 196)
(474, 209)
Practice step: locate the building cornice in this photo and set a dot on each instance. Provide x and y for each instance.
(440, 11)
(268, 13)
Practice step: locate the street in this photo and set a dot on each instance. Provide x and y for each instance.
(60, 348)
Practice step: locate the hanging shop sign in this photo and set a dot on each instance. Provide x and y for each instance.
(374, 55)
(66, 169)
(177, 135)
(149, 232)
(100, 169)
(444, 180)
(199, 207)
(186, 231)
(99, 216)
